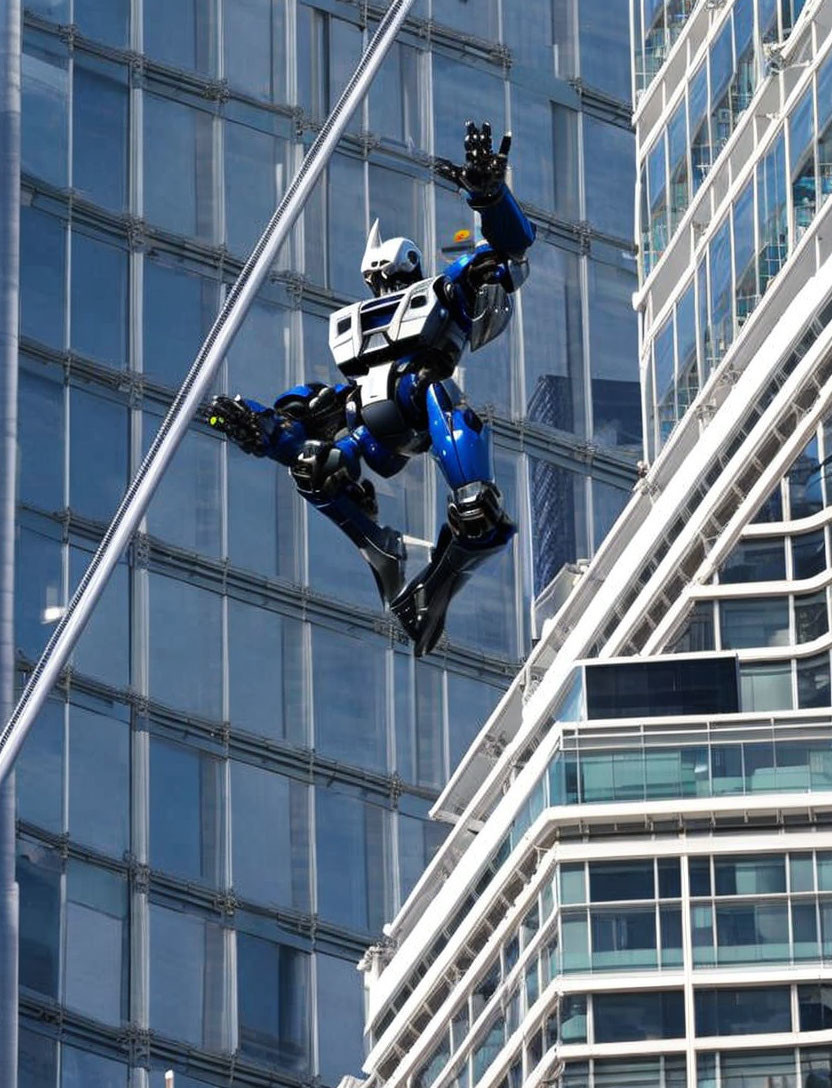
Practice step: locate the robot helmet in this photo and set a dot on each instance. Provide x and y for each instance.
(389, 266)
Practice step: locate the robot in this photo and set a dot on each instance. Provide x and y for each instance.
(397, 353)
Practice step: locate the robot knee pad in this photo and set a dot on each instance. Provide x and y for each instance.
(476, 510)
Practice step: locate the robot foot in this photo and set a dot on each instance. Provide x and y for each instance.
(421, 606)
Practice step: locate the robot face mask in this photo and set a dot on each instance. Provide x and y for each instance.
(389, 266)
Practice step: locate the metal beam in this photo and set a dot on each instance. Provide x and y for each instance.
(194, 389)
(10, 23)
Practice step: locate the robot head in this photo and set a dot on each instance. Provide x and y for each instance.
(389, 266)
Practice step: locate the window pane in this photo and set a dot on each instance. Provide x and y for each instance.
(614, 880)
(631, 1016)
(181, 34)
(185, 646)
(99, 132)
(99, 780)
(757, 933)
(272, 999)
(187, 825)
(813, 681)
(178, 177)
(185, 509)
(103, 650)
(260, 360)
(255, 177)
(99, 285)
(473, 92)
(42, 277)
(766, 687)
(750, 876)
(616, 399)
(811, 618)
(40, 437)
(352, 860)
(179, 306)
(808, 554)
(96, 942)
(45, 108)
(39, 771)
(755, 561)
(39, 596)
(533, 129)
(254, 44)
(39, 880)
(267, 701)
(187, 969)
(760, 622)
(97, 453)
(610, 178)
(84, 1069)
(270, 837)
(747, 1011)
(340, 1018)
(107, 23)
(352, 729)
(37, 1060)
(265, 519)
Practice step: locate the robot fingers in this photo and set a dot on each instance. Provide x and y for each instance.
(234, 418)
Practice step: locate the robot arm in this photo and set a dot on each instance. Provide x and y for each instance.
(504, 226)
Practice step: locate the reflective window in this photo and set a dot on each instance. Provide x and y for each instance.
(616, 397)
(85, 1069)
(39, 596)
(39, 881)
(626, 1017)
(185, 646)
(397, 97)
(721, 330)
(808, 554)
(37, 1059)
(178, 157)
(609, 178)
(45, 108)
(824, 123)
(533, 129)
(255, 175)
(623, 937)
(187, 977)
(182, 35)
(813, 681)
(755, 561)
(340, 1018)
(473, 702)
(99, 779)
(805, 494)
(604, 64)
(352, 838)
(802, 163)
(749, 1011)
(811, 617)
(419, 839)
(815, 1007)
(272, 997)
(99, 284)
(99, 132)
(97, 946)
(745, 267)
(265, 519)
(758, 622)
(270, 837)
(108, 23)
(350, 719)
(677, 137)
(187, 812)
(185, 509)
(750, 876)
(42, 277)
(40, 436)
(270, 702)
(474, 93)
(766, 686)
(611, 880)
(772, 226)
(179, 307)
(39, 771)
(98, 433)
(103, 650)
(254, 49)
(482, 23)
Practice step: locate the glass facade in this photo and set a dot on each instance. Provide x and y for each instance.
(228, 799)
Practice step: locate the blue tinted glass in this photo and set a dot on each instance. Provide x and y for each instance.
(186, 509)
(103, 650)
(804, 931)
(39, 882)
(260, 363)
(179, 306)
(700, 876)
(42, 277)
(178, 186)
(533, 172)
(611, 880)
(40, 437)
(95, 971)
(755, 561)
(99, 780)
(616, 399)
(483, 22)
(473, 703)
(811, 618)
(273, 1002)
(746, 1011)
(99, 285)
(813, 681)
(98, 429)
(808, 554)
(108, 22)
(340, 1018)
(99, 132)
(37, 1060)
(186, 812)
(609, 178)
(39, 595)
(627, 1017)
(39, 771)
(44, 135)
(603, 27)
(473, 92)
(270, 837)
(181, 34)
(254, 49)
(83, 1069)
(757, 622)
(265, 517)
(350, 724)
(255, 177)
(185, 646)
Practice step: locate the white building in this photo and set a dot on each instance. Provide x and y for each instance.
(637, 888)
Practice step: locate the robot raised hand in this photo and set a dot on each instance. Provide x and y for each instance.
(397, 353)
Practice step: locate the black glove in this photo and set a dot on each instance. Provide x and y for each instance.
(484, 171)
(245, 427)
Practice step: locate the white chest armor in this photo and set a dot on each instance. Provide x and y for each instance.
(382, 330)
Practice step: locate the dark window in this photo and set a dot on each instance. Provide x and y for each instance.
(808, 554)
(750, 1011)
(623, 1017)
(670, 878)
(613, 880)
(662, 687)
(755, 561)
(815, 1005)
(750, 876)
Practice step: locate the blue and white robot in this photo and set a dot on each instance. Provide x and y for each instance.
(397, 353)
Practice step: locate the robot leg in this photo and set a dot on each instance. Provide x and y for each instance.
(477, 527)
(327, 476)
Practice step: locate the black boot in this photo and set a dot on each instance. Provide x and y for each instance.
(421, 606)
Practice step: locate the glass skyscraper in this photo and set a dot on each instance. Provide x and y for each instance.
(227, 796)
(637, 888)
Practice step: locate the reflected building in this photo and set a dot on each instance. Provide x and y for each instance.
(636, 886)
(228, 795)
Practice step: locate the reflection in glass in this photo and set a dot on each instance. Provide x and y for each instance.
(99, 132)
(45, 108)
(187, 811)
